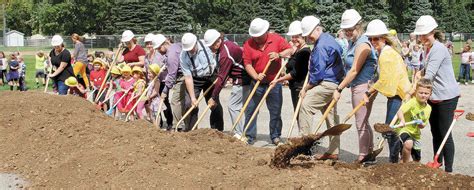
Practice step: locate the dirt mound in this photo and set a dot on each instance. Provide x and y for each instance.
(63, 142)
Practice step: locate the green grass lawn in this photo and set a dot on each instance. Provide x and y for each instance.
(30, 66)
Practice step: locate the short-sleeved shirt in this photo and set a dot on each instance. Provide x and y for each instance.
(13, 64)
(39, 62)
(297, 67)
(97, 77)
(413, 110)
(201, 64)
(465, 57)
(393, 77)
(64, 56)
(259, 58)
(132, 56)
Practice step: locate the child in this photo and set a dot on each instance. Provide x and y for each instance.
(415, 63)
(75, 88)
(13, 75)
(138, 89)
(153, 96)
(22, 71)
(406, 54)
(126, 84)
(97, 76)
(464, 68)
(415, 109)
(3, 68)
(40, 59)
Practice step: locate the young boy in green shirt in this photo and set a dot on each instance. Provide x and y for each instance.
(415, 109)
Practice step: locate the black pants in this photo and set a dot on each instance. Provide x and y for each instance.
(3, 75)
(216, 120)
(168, 114)
(442, 115)
(295, 94)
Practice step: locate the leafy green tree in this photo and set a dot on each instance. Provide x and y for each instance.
(18, 16)
(173, 18)
(415, 9)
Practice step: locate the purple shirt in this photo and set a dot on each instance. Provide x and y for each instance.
(172, 63)
(156, 59)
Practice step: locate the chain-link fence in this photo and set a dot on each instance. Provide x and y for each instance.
(111, 41)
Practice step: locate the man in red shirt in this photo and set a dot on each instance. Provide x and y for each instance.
(261, 49)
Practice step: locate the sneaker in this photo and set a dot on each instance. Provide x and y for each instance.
(276, 141)
(327, 156)
(370, 162)
(237, 136)
(465, 83)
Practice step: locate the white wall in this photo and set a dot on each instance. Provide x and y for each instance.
(15, 39)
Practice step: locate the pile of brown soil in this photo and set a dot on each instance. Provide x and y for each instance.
(64, 142)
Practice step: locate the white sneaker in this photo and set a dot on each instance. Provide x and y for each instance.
(237, 136)
(465, 83)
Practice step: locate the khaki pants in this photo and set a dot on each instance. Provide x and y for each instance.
(177, 101)
(317, 99)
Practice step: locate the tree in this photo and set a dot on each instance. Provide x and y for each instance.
(18, 16)
(415, 9)
(173, 18)
(138, 17)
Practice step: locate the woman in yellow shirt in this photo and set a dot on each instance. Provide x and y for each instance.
(393, 77)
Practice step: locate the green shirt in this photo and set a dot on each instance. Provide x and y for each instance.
(39, 62)
(413, 110)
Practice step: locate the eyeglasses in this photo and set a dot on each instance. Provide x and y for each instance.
(374, 39)
(348, 30)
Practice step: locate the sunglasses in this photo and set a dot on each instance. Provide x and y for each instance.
(374, 39)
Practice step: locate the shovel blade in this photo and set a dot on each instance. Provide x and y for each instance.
(109, 112)
(336, 130)
(434, 164)
(372, 155)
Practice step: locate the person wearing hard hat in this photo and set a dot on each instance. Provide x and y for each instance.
(152, 100)
(126, 85)
(199, 69)
(75, 88)
(326, 71)
(138, 88)
(297, 66)
(229, 59)
(152, 56)
(171, 78)
(360, 63)
(392, 81)
(261, 49)
(114, 84)
(134, 54)
(97, 76)
(79, 55)
(446, 92)
(61, 59)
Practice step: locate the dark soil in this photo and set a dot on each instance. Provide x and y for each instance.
(64, 142)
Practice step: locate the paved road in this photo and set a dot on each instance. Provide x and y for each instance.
(349, 144)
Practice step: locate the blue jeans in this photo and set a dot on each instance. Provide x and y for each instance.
(393, 105)
(62, 88)
(464, 72)
(274, 102)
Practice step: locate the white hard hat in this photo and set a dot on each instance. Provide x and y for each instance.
(295, 28)
(376, 28)
(149, 37)
(56, 40)
(350, 18)
(425, 24)
(158, 40)
(188, 41)
(127, 35)
(211, 36)
(308, 23)
(258, 27)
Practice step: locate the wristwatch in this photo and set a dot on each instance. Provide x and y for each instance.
(367, 93)
(339, 89)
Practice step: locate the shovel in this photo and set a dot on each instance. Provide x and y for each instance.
(242, 111)
(142, 95)
(435, 163)
(194, 106)
(338, 129)
(89, 97)
(201, 117)
(297, 110)
(111, 110)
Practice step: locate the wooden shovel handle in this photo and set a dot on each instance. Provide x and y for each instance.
(101, 89)
(158, 114)
(298, 106)
(362, 103)
(325, 115)
(246, 104)
(201, 117)
(193, 106)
